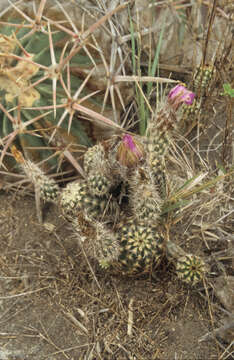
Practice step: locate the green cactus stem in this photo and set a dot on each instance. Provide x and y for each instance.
(97, 168)
(190, 269)
(98, 183)
(48, 188)
(76, 197)
(140, 245)
(94, 157)
(202, 78)
(190, 111)
(144, 199)
(158, 141)
(107, 247)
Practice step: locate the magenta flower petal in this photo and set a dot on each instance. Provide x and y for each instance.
(130, 151)
(131, 145)
(175, 91)
(188, 98)
(180, 95)
(128, 141)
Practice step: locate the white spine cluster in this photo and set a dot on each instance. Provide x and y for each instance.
(190, 268)
(94, 157)
(107, 245)
(144, 198)
(76, 197)
(49, 190)
(98, 172)
(71, 198)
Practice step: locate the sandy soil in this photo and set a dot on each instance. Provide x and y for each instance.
(56, 305)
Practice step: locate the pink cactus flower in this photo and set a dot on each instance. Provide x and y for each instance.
(130, 151)
(180, 95)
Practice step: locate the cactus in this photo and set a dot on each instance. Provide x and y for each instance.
(48, 188)
(144, 199)
(76, 197)
(140, 246)
(137, 245)
(191, 110)
(190, 268)
(158, 145)
(130, 244)
(201, 84)
(202, 78)
(93, 157)
(97, 168)
(160, 130)
(107, 246)
(98, 183)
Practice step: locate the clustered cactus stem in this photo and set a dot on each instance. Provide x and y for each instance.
(160, 130)
(126, 233)
(201, 84)
(202, 78)
(48, 188)
(189, 268)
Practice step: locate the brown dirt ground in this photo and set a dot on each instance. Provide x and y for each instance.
(53, 307)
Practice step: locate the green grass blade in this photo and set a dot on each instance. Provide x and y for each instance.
(152, 71)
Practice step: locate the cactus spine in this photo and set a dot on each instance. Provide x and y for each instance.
(190, 268)
(141, 245)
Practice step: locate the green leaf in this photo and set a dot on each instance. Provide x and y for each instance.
(228, 91)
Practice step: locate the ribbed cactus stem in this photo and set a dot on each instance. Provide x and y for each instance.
(189, 268)
(94, 158)
(107, 247)
(202, 78)
(97, 168)
(158, 134)
(98, 183)
(48, 188)
(141, 245)
(160, 130)
(190, 111)
(144, 199)
(77, 197)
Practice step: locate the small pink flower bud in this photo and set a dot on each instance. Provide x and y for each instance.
(179, 95)
(130, 151)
